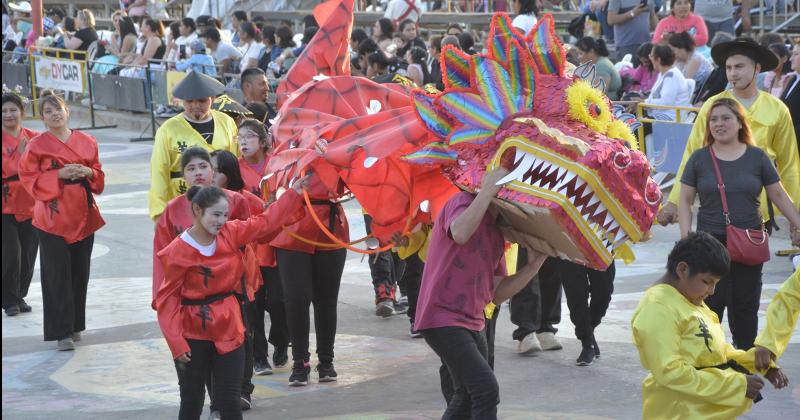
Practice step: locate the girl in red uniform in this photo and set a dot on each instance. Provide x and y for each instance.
(61, 171)
(227, 176)
(20, 243)
(177, 217)
(198, 308)
(254, 144)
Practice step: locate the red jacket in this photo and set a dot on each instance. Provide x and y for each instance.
(63, 208)
(16, 200)
(191, 275)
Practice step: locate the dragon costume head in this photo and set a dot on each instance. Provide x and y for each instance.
(569, 157)
(574, 182)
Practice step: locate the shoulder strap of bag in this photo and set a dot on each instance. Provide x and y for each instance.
(720, 185)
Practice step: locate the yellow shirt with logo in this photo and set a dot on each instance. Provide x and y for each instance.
(782, 314)
(172, 138)
(679, 343)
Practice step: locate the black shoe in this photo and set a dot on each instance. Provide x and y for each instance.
(12, 310)
(414, 333)
(280, 356)
(24, 307)
(262, 367)
(300, 374)
(596, 349)
(401, 306)
(587, 356)
(245, 402)
(326, 372)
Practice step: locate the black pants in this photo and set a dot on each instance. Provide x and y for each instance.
(269, 299)
(311, 278)
(65, 279)
(537, 307)
(227, 372)
(249, 353)
(465, 353)
(579, 283)
(386, 269)
(446, 382)
(412, 277)
(20, 245)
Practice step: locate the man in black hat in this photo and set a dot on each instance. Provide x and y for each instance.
(768, 118)
(198, 125)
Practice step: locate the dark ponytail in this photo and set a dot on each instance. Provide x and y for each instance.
(228, 165)
(588, 43)
(194, 152)
(205, 197)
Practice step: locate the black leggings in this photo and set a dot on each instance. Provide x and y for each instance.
(579, 283)
(465, 353)
(412, 277)
(311, 278)
(269, 298)
(227, 372)
(65, 279)
(20, 245)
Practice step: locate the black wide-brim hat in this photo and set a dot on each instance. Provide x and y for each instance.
(198, 86)
(746, 47)
(228, 105)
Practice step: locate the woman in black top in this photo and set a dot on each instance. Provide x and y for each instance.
(410, 38)
(745, 170)
(85, 35)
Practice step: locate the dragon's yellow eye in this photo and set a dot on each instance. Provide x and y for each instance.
(589, 106)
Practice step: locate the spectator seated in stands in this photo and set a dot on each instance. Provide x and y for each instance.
(180, 47)
(382, 33)
(401, 10)
(85, 35)
(641, 78)
(288, 55)
(691, 63)
(526, 11)
(631, 22)
(153, 48)
(224, 53)
(367, 47)
(595, 51)
(417, 60)
(122, 49)
(198, 61)
(21, 19)
(356, 38)
(409, 38)
(682, 19)
(467, 43)
(774, 81)
(136, 9)
(671, 88)
(270, 51)
(435, 67)
(249, 45)
(237, 18)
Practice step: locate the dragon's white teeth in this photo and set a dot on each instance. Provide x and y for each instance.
(594, 200)
(519, 171)
(518, 156)
(608, 220)
(614, 227)
(561, 172)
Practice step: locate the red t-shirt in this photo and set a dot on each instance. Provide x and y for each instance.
(458, 280)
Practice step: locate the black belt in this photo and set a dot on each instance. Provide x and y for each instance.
(11, 178)
(332, 214)
(207, 300)
(174, 175)
(732, 364)
(86, 187)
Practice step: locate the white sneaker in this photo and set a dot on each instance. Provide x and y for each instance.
(529, 344)
(549, 341)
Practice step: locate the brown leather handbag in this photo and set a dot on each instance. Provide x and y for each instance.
(745, 246)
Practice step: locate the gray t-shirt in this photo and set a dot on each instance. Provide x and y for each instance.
(744, 178)
(635, 31)
(714, 10)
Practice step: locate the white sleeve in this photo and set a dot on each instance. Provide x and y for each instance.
(670, 91)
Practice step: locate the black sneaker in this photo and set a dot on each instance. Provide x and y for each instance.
(326, 372)
(587, 356)
(414, 333)
(24, 307)
(596, 349)
(262, 367)
(12, 310)
(300, 374)
(245, 402)
(401, 306)
(280, 356)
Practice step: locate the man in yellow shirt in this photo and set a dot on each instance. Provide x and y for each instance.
(782, 315)
(198, 125)
(769, 119)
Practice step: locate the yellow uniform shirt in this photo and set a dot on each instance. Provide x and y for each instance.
(674, 338)
(417, 244)
(172, 138)
(782, 315)
(771, 125)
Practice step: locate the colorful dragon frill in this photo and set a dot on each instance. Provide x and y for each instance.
(574, 181)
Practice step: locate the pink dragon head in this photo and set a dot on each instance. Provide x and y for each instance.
(574, 179)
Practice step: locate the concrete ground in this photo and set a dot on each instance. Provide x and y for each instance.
(123, 370)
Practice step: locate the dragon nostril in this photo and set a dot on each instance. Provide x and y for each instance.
(652, 193)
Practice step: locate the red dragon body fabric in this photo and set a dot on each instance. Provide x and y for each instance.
(574, 181)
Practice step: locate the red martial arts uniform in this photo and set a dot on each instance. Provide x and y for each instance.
(16, 200)
(196, 300)
(176, 218)
(265, 191)
(63, 208)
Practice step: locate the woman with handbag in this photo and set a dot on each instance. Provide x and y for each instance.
(728, 175)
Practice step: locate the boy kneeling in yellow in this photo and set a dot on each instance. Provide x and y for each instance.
(694, 372)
